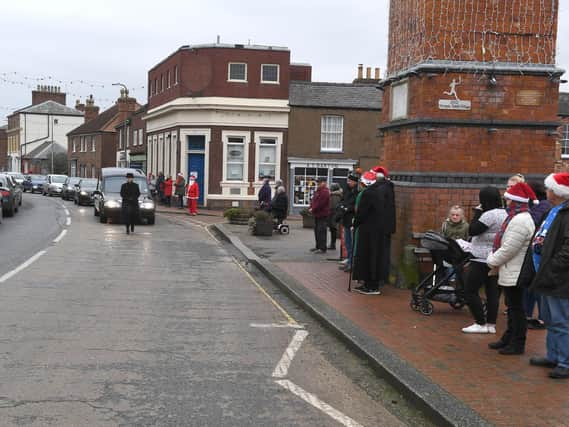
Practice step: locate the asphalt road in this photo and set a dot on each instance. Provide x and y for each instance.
(164, 327)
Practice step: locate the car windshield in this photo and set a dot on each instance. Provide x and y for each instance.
(6, 182)
(88, 184)
(73, 181)
(37, 177)
(58, 179)
(113, 184)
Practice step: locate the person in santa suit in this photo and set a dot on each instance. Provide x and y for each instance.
(193, 194)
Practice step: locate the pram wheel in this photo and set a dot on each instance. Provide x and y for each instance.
(414, 304)
(457, 305)
(284, 229)
(427, 308)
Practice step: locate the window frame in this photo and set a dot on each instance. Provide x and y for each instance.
(324, 135)
(229, 79)
(271, 82)
(564, 141)
(278, 138)
(246, 137)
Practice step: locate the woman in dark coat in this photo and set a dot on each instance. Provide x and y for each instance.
(370, 241)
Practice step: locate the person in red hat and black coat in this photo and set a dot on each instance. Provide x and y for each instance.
(388, 217)
(130, 192)
(546, 272)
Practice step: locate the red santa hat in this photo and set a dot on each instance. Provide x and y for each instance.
(521, 192)
(559, 184)
(368, 178)
(192, 177)
(381, 171)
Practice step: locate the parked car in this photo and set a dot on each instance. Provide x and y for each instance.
(69, 188)
(53, 185)
(84, 193)
(34, 183)
(107, 199)
(18, 177)
(11, 195)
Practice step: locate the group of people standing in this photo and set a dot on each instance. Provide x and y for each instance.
(522, 252)
(165, 188)
(366, 211)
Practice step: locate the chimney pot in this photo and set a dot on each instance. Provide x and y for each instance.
(377, 73)
(360, 71)
(368, 73)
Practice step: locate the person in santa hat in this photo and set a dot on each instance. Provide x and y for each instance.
(389, 217)
(508, 253)
(546, 272)
(368, 262)
(193, 194)
(168, 184)
(180, 187)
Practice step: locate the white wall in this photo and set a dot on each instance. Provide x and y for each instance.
(34, 127)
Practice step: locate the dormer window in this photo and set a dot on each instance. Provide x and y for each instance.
(237, 72)
(270, 73)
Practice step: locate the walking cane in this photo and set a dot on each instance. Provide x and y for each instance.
(353, 233)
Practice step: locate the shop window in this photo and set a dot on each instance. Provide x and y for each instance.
(305, 183)
(267, 158)
(340, 176)
(235, 159)
(332, 134)
(565, 142)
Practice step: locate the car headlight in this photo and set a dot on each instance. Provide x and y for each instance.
(84, 193)
(147, 205)
(112, 204)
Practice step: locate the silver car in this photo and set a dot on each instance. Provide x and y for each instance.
(53, 185)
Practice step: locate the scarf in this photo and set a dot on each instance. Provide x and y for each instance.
(513, 209)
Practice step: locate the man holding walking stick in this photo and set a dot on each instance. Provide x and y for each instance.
(348, 206)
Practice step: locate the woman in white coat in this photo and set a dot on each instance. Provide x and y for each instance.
(507, 257)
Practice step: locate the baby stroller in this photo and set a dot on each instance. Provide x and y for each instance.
(443, 284)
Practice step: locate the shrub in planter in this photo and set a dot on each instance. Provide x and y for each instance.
(261, 224)
(237, 216)
(307, 218)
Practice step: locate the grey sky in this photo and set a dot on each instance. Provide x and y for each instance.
(107, 41)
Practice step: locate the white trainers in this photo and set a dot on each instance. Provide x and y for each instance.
(476, 329)
(491, 328)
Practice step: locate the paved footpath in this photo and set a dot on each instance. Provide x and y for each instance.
(504, 390)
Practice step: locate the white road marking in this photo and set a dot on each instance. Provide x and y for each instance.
(318, 404)
(281, 370)
(68, 222)
(21, 267)
(275, 325)
(61, 236)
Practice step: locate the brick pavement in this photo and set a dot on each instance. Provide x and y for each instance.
(503, 389)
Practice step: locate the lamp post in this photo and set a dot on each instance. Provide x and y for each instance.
(124, 93)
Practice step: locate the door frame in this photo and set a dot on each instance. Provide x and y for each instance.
(184, 155)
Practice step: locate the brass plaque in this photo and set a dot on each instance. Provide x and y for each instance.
(530, 98)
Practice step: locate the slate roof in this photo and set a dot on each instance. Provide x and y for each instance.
(335, 95)
(564, 104)
(99, 123)
(43, 151)
(51, 107)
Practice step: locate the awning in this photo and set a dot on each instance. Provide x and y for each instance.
(137, 157)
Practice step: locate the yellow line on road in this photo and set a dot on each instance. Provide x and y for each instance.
(288, 317)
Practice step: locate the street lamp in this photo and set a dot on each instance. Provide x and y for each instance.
(124, 93)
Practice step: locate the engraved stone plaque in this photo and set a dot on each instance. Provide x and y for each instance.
(530, 98)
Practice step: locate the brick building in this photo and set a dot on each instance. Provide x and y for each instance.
(93, 145)
(131, 147)
(36, 133)
(471, 97)
(216, 111)
(3, 148)
(332, 129)
(562, 154)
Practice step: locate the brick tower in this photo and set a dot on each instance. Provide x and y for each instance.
(470, 98)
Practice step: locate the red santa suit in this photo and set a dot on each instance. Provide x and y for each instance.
(193, 195)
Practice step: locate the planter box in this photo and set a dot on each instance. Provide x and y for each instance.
(307, 221)
(263, 229)
(242, 219)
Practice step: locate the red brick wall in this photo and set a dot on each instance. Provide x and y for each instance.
(3, 149)
(472, 30)
(301, 73)
(204, 72)
(39, 96)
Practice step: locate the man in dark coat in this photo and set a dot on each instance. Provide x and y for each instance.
(369, 263)
(348, 207)
(320, 209)
(279, 205)
(130, 192)
(388, 218)
(264, 196)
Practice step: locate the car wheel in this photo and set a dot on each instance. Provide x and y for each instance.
(10, 211)
(151, 220)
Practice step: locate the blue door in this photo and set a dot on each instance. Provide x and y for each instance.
(196, 165)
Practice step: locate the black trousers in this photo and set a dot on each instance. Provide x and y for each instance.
(515, 335)
(476, 278)
(333, 236)
(320, 230)
(130, 214)
(386, 258)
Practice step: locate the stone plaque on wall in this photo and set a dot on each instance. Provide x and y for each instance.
(529, 98)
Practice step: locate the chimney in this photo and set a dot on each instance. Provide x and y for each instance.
(48, 93)
(91, 110)
(377, 74)
(126, 105)
(79, 106)
(360, 71)
(368, 73)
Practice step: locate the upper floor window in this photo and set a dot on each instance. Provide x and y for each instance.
(92, 143)
(168, 79)
(269, 73)
(162, 83)
(176, 75)
(332, 134)
(82, 143)
(565, 142)
(120, 138)
(150, 89)
(74, 149)
(155, 86)
(237, 72)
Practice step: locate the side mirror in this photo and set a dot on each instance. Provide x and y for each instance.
(96, 193)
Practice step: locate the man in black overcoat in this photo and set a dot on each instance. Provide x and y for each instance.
(130, 192)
